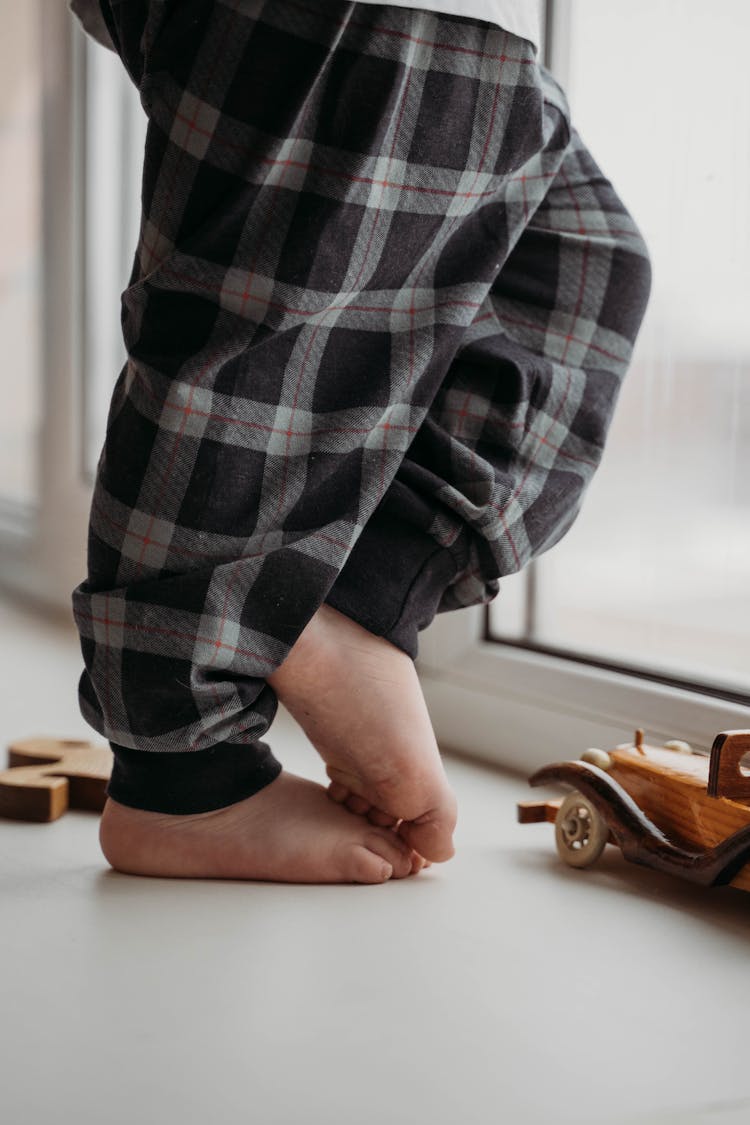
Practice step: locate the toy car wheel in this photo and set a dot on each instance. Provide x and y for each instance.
(580, 831)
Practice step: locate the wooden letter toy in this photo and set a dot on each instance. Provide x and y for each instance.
(49, 775)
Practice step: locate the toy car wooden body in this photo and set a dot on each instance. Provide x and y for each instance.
(663, 806)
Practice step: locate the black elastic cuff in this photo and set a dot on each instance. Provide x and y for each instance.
(394, 579)
(190, 781)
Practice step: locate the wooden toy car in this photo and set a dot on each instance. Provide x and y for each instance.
(665, 807)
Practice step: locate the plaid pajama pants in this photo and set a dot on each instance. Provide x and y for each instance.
(380, 310)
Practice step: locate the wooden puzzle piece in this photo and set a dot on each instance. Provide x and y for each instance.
(46, 776)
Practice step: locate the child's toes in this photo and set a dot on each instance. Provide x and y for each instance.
(338, 792)
(393, 850)
(419, 863)
(357, 804)
(365, 866)
(382, 819)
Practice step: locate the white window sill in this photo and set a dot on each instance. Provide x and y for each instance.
(522, 709)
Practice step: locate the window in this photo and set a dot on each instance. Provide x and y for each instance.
(653, 576)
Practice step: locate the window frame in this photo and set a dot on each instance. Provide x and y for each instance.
(519, 708)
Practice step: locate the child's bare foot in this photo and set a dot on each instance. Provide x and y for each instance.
(358, 699)
(289, 832)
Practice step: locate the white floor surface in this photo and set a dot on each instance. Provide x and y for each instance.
(499, 988)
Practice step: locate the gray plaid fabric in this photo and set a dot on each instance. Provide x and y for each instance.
(381, 307)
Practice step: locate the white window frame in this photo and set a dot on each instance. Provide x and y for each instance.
(520, 708)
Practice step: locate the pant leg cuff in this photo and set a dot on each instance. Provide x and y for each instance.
(394, 579)
(192, 781)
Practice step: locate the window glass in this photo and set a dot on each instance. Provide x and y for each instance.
(655, 571)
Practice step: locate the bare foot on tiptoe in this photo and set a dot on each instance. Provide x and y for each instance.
(289, 832)
(358, 699)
